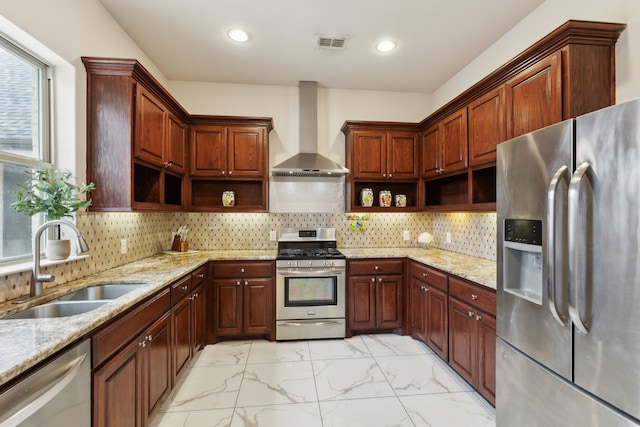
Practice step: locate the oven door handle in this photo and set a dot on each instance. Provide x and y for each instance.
(307, 272)
(310, 322)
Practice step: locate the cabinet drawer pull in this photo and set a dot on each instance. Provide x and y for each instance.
(424, 274)
(185, 287)
(478, 317)
(474, 296)
(201, 275)
(471, 314)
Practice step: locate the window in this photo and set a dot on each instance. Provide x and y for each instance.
(24, 140)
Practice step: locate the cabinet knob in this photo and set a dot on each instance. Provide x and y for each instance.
(373, 279)
(384, 175)
(224, 173)
(426, 289)
(380, 279)
(201, 276)
(390, 176)
(238, 283)
(142, 344)
(474, 296)
(242, 270)
(246, 283)
(185, 287)
(149, 338)
(424, 274)
(471, 314)
(376, 268)
(478, 317)
(230, 172)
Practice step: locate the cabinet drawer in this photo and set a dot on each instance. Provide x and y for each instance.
(475, 295)
(199, 276)
(429, 275)
(180, 289)
(376, 266)
(119, 332)
(243, 269)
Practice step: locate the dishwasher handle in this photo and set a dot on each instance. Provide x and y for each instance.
(50, 385)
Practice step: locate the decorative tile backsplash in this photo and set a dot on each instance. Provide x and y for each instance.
(149, 233)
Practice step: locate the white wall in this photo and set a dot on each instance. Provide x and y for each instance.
(541, 22)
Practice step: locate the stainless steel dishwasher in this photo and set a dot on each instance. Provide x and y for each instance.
(57, 394)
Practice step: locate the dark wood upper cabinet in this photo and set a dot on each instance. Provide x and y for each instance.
(486, 124)
(444, 145)
(534, 97)
(382, 156)
(137, 146)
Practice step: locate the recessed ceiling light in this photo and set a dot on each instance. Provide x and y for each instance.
(386, 46)
(238, 35)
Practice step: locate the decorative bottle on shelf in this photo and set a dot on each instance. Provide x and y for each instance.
(385, 198)
(366, 197)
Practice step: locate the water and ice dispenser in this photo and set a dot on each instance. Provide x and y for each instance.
(522, 259)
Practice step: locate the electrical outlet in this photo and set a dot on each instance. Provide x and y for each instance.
(447, 237)
(123, 246)
(406, 235)
(272, 235)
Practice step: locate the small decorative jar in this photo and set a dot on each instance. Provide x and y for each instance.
(366, 197)
(228, 198)
(401, 200)
(385, 198)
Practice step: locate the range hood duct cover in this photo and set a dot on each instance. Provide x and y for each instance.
(308, 162)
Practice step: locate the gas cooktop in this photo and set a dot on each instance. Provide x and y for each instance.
(307, 243)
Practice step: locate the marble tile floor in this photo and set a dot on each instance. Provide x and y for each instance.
(371, 380)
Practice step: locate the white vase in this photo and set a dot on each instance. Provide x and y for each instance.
(58, 249)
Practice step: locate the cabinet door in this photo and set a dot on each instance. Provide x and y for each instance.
(117, 388)
(402, 155)
(246, 152)
(431, 151)
(418, 306)
(149, 127)
(389, 301)
(181, 325)
(487, 357)
(369, 154)
(209, 151)
(454, 141)
(228, 307)
(486, 127)
(157, 365)
(258, 306)
(362, 302)
(437, 335)
(462, 339)
(176, 144)
(534, 98)
(199, 313)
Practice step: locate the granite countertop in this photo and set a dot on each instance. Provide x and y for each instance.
(27, 342)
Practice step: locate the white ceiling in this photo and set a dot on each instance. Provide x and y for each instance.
(186, 39)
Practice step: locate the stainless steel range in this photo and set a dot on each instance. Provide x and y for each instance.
(310, 285)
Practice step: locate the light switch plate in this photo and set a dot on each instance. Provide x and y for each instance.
(406, 235)
(272, 235)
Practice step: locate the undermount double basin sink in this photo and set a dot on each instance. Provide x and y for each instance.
(78, 302)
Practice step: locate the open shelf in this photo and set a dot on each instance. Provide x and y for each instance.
(206, 195)
(483, 185)
(146, 187)
(452, 190)
(409, 189)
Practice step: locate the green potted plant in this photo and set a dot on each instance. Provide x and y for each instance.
(50, 191)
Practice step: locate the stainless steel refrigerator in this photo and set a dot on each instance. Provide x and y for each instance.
(568, 204)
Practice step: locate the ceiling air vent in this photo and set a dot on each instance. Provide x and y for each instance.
(331, 42)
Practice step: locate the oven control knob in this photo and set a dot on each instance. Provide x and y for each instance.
(327, 263)
(310, 263)
(292, 263)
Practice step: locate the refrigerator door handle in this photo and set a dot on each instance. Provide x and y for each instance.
(561, 175)
(577, 280)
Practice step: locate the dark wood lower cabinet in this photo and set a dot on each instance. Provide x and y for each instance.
(129, 387)
(243, 299)
(472, 346)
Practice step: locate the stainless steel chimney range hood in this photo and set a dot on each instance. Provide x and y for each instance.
(308, 162)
